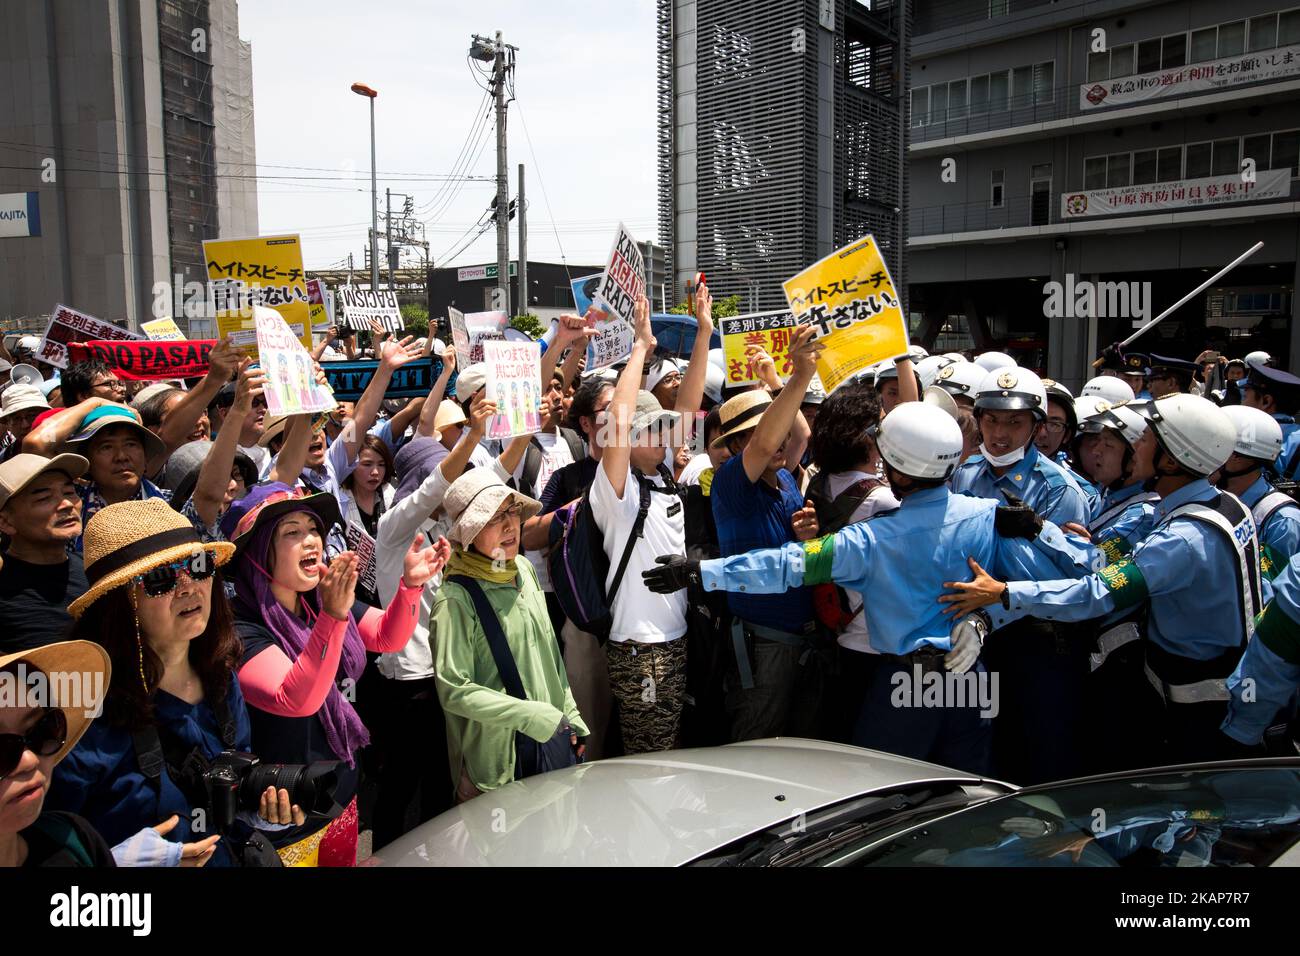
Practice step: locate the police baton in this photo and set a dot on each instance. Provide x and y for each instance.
(1200, 288)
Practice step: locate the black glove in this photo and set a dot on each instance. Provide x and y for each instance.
(675, 572)
(1016, 519)
(1112, 355)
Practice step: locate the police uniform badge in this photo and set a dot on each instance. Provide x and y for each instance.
(947, 371)
(1006, 380)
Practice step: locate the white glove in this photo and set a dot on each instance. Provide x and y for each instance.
(967, 640)
(148, 848)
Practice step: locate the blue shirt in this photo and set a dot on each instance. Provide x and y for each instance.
(1040, 482)
(1268, 675)
(101, 780)
(1279, 535)
(751, 515)
(92, 501)
(1188, 573)
(1286, 459)
(1125, 525)
(900, 560)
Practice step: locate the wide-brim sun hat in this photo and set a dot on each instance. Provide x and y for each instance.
(267, 503)
(21, 398)
(272, 428)
(131, 538)
(448, 414)
(740, 413)
(469, 381)
(474, 498)
(106, 416)
(84, 659)
(24, 468)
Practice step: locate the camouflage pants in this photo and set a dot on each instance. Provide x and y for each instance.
(649, 683)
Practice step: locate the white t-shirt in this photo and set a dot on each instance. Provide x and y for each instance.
(855, 636)
(694, 468)
(640, 614)
(555, 455)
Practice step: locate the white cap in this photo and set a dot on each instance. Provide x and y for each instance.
(1109, 387)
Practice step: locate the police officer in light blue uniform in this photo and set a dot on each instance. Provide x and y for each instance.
(1042, 664)
(1277, 393)
(1198, 572)
(1115, 439)
(1055, 439)
(1277, 516)
(901, 559)
(1265, 683)
(1136, 368)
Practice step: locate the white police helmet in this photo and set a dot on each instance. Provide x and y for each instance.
(1193, 430)
(1096, 415)
(1109, 387)
(920, 441)
(1258, 359)
(960, 379)
(928, 369)
(1258, 433)
(991, 360)
(1012, 388)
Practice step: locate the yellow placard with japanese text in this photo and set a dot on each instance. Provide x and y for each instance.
(743, 335)
(266, 270)
(849, 300)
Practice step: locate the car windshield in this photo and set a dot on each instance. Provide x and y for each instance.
(1216, 816)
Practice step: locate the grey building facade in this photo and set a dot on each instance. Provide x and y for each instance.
(133, 122)
(1111, 142)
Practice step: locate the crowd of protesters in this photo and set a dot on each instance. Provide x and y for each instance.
(1118, 569)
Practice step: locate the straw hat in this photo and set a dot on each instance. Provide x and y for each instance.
(272, 427)
(68, 657)
(474, 498)
(741, 413)
(131, 538)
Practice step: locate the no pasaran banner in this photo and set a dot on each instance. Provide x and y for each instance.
(145, 361)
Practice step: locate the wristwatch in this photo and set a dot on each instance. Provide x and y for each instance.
(1006, 596)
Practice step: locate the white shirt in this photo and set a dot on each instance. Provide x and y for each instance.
(855, 636)
(555, 455)
(694, 468)
(640, 614)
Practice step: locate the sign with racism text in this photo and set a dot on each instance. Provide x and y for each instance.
(849, 300)
(265, 271)
(362, 306)
(743, 335)
(621, 284)
(67, 325)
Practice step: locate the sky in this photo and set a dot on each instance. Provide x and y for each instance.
(581, 64)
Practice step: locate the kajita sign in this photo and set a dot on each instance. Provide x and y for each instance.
(20, 215)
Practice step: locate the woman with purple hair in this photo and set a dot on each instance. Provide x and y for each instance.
(304, 647)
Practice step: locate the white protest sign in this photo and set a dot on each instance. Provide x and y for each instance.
(514, 382)
(359, 306)
(68, 325)
(291, 387)
(621, 284)
(469, 332)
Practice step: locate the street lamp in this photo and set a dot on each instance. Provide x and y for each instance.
(362, 90)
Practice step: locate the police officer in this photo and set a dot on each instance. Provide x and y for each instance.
(1197, 572)
(1277, 516)
(1169, 376)
(1118, 450)
(1264, 685)
(1137, 366)
(1110, 387)
(1055, 438)
(961, 380)
(1277, 393)
(917, 648)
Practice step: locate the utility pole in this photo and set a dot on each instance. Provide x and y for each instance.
(503, 185)
(388, 243)
(523, 303)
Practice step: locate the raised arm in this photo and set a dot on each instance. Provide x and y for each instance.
(617, 456)
(429, 412)
(45, 439)
(223, 363)
(292, 458)
(774, 427)
(330, 335)
(570, 330)
(907, 389)
(214, 477)
(691, 392)
(393, 355)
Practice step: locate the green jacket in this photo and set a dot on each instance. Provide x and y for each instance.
(481, 717)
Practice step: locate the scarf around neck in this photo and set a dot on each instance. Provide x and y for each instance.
(474, 565)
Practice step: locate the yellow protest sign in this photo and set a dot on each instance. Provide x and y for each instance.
(163, 330)
(265, 270)
(849, 300)
(742, 334)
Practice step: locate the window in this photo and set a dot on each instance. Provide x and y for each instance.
(1022, 93)
(1198, 160)
(1117, 170)
(979, 94)
(1288, 28)
(1169, 164)
(939, 103)
(1263, 32)
(1098, 67)
(996, 187)
(998, 90)
(956, 99)
(1286, 151)
(1148, 56)
(921, 106)
(1040, 171)
(1257, 148)
(1144, 167)
(1044, 76)
(1121, 61)
(1232, 38)
(1227, 156)
(1094, 172)
(1204, 43)
(1173, 51)
(998, 8)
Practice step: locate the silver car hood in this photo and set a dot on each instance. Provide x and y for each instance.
(660, 809)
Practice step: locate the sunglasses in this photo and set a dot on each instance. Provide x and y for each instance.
(45, 740)
(162, 580)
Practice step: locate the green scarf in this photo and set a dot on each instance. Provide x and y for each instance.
(474, 565)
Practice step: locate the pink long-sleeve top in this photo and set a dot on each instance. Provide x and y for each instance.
(297, 688)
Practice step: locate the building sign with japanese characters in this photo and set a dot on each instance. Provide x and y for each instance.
(849, 300)
(1183, 194)
(266, 270)
(1193, 78)
(744, 335)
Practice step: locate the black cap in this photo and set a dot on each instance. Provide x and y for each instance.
(1137, 363)
(1170, 364)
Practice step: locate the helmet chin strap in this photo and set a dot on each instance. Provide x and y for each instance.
(1225, 473)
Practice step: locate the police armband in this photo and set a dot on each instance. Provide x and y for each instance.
(819, 555)
(1114, 546)
(1270, 562)
(1125, 582)
(1279, 632)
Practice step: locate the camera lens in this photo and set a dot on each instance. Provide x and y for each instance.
(310, 786)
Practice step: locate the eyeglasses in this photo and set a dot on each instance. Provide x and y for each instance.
(45, 740)
(162, 580)
(113, 385)
(513, 513)
(1054, 427)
